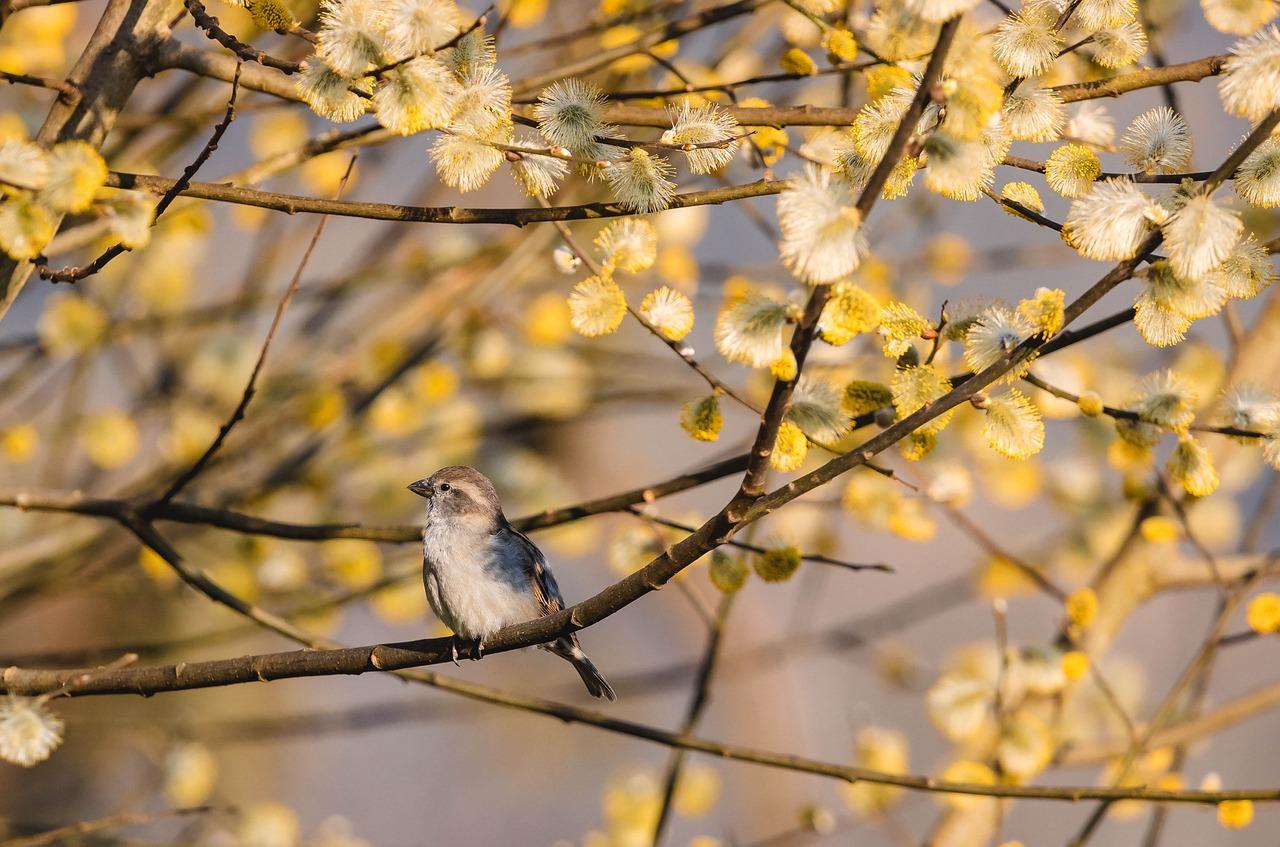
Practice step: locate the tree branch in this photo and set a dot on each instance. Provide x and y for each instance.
(293, 203)
(179, 185)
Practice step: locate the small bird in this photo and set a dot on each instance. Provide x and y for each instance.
(482, 574)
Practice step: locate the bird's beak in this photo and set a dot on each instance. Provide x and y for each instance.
(421, 488)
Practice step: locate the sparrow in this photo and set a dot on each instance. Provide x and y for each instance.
(482, 574)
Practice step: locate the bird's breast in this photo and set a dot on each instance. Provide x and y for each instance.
(473, 591)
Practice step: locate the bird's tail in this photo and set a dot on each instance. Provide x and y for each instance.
(568, 649)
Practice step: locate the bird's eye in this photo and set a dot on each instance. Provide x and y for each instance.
(444, 486)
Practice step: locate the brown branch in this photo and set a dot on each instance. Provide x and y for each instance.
(1125, 414)
(61, 86)
(1071, 337)
(190, 513)
(817, 558)
(1173, 178)
(806, 115)
(649, 94)
(248, 53)
(293, 203)
(988, 543)
(18, 680)
(73, 832)
(1192, 71)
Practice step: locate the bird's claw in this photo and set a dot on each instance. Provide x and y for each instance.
(453, 650)
(479, 650)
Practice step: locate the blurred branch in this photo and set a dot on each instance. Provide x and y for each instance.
(1207, 725)
(77, 274)
(194, 673)
(667, 32)
(74, 832)
(115, 59)
(1167, 708)
(756, 548)
(247, 396)
(697, 703)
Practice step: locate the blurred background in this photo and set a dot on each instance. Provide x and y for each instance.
(412, 346)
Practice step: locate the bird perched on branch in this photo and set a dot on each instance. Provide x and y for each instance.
(482, 574)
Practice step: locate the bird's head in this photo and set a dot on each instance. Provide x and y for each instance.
(462, 497)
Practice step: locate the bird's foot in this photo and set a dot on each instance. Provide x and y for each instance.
(479, 650)
(453, 649)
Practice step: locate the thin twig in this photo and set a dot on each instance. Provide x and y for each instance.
(246, 52)
(74, 832)
(250, 388)
(75, 274)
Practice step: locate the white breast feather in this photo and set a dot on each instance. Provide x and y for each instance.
(465, 586)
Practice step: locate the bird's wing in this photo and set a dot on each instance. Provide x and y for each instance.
(540, 577)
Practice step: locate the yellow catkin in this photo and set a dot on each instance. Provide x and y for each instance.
(1159, 529)
(1090, 404)
(1235, 814)
(702, 419)
(789, 449)
(271, 15)
(1082, 607)
(796, 61)
(727, 573)
(1263, 613)
(840, 45)
(1075, 665)
(777, 564)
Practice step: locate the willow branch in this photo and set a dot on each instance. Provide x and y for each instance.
(294, 204)
(1192, 71)
(805, 115)
(246, 52)
(652, 577)
(191, 513)
(753, 481)
(1127, 415)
